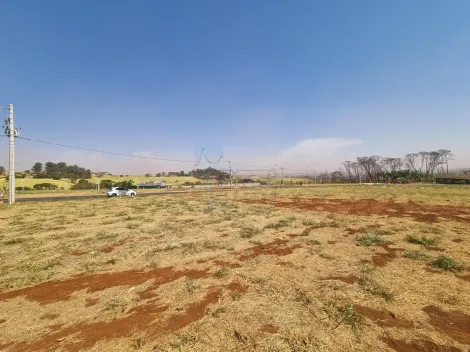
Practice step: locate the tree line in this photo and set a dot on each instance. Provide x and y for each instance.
(413, 167)
(59, 171)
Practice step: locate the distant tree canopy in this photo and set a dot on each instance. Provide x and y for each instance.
(60, 170)
(413, 167)
(2, 170)
(83, 184)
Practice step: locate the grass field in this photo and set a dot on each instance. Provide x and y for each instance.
(327, 268)
(65, 184)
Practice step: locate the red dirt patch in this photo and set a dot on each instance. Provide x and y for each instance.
(427, 213)
(417, 346)
(148, 293)
(382, 259)
(90, 302)
(270, 329)
(365, 229)
(383, 318)
(49, 316)
(237, 287)
(454, 324)
(53, 291)
(148, 318)
(5, 345)
(226, 264)
(272, 248)
(457, 240)
(464, 277)
(78, 253)
(109, 248)
(350, 279)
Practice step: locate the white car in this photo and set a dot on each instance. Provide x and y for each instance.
(120, 191)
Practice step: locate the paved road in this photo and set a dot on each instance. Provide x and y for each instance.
(90, 196)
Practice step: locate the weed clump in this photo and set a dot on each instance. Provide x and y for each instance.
(447, 263)
(248, 232)
(347, 315)
(423, 240)
(416, 255)
(12, 241)
(373, 287)
(369, 240)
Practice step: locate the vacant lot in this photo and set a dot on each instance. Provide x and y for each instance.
(354, 268)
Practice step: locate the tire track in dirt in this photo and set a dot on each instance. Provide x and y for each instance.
(427, 213)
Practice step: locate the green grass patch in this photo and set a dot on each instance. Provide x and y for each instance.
(370, 285)
(416, 255)
(447, 263)
(368, 240)
(423, 240)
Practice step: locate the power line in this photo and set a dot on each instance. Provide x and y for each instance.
(103, 151)
(257, 167)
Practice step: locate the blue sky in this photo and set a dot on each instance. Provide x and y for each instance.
(300, 83)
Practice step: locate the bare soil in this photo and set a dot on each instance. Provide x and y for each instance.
(172, 276)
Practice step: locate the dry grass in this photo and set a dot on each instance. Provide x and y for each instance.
(244, 277)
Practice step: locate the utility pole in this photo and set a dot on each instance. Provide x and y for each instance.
(11, 133)
(230, 173)
(275, 174)
(282, 168)
(98, 175)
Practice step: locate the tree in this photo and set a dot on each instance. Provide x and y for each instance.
(2, 170)
(125, 184)
(37, 168)
(83, 184)
(105, 184)
(446, 156)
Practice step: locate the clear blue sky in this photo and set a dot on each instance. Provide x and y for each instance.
(375, 77)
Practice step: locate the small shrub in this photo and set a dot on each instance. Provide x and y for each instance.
(45, 186)
(278, 225)
(370, 285)
(447, 263)
(313, 242)
(309, 222)
(248, 232)
(83, 184)
(23, 188)
(105, 184)
(423, 240)
(223, 272)
(416, 255)
(369, 240)
(12, 241)
(347, 315)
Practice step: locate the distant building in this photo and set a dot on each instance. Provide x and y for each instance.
(152, 184)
